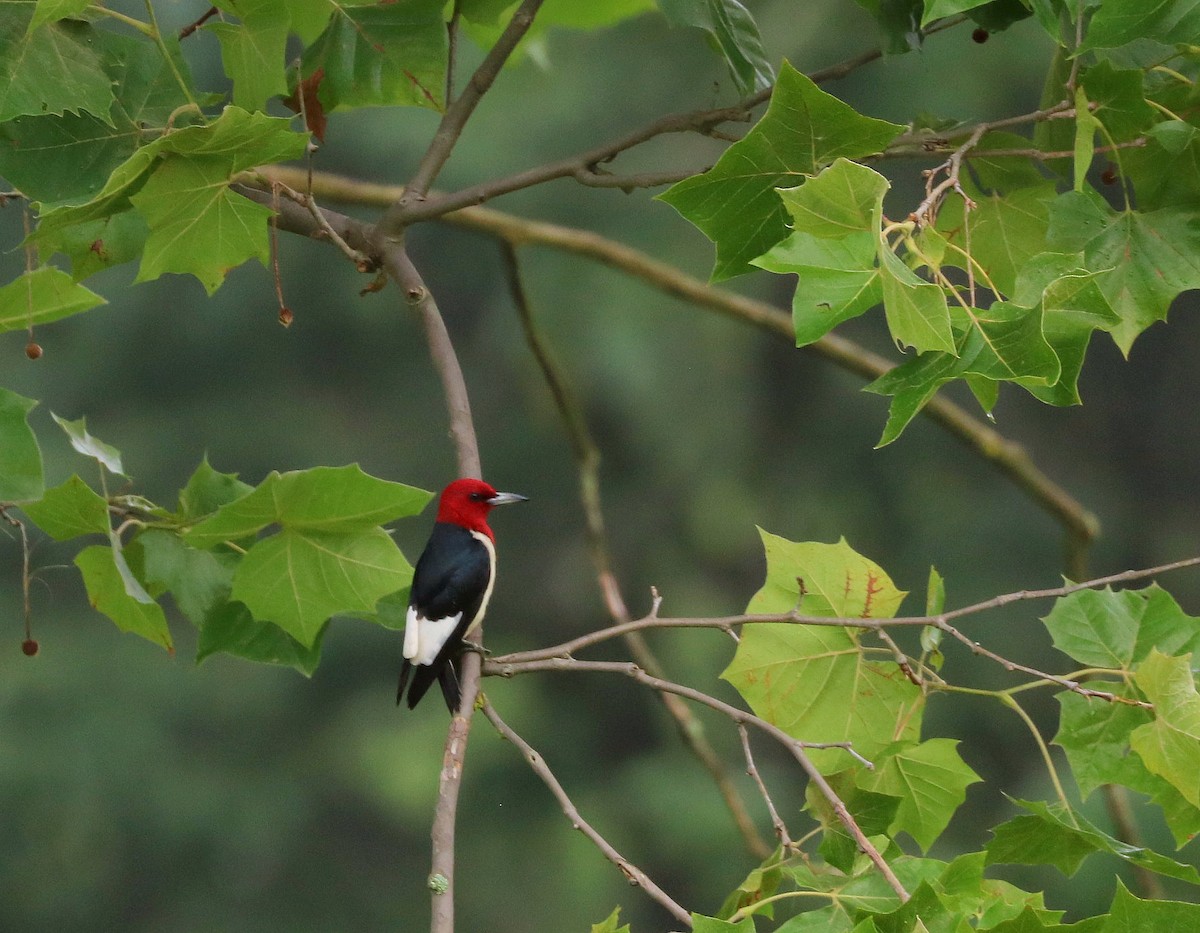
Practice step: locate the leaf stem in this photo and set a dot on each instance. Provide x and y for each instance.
(1016, 707)
(144, 28)
(156, 34)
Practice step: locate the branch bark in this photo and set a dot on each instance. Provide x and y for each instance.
(632, 873)
(587, 460)
(797, 748)
(1079, 524)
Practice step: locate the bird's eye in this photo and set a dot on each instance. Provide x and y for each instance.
(477, 496)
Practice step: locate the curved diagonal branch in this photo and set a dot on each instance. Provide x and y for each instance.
(797, 748)
(587, 461)
(632, 873)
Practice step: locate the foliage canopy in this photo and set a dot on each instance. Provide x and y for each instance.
(1034, 232)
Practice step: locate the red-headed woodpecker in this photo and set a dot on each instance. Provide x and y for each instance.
(450, 589)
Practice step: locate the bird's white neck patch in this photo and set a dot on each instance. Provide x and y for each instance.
(487, 594)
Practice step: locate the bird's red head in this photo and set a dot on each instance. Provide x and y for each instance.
(466, 502)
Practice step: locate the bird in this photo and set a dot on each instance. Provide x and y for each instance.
(451, 587)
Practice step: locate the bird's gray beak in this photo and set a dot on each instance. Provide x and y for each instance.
(504, 498)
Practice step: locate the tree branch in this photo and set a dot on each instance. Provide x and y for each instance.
(781, 830)
(567, 649)
(1080, 525)
(455, 119)
(632, 873)
(587, 459)
(583, 166)
(797, 748)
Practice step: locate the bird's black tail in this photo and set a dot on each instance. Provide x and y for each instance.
(423, 676)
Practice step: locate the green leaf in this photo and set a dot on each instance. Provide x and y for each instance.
(70, 510)
(930, 779)
(89, 446)
(762, 882)
(1096, 738)
(823, 579)
(847, 697)
(201, 162)
(1086, 127)
(1005, 342)
(1054, 836)
(899, 21)
(1166, 171)
(916, 310)
(1073, 306)
(733, 31)
(804, 129)
(854, 895)
(926, 911)
(1164, 626)
(325, 499)
(99, 244)
(299, 578)
(935, 594)
(230, 628)
(252, 51)
(105, 578)
(1118, 100)
(1147, 258)
(1130, 914)
(1098, 628)
(207, 490)
(1170, 744)
(873, 812)
(938, 9)
(43, 295)
(199, 580)
(1006, 231)
(21, 475)
(197, 224)
(55, 159)
(610, 924)
(1118, 22)
(112, 199)
(374, 56)
(49, 11)
(837, 280)
(702, 924)
(843, 199)
(52, 69)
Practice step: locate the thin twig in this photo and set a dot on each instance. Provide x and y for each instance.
(926, 211)
(632, 873)
(309, 203)
(798, 749)
(567, 649)
(200, 21)
(587, 459)
(455, 119)
(781, 831)
(25, 575)
(452, 50)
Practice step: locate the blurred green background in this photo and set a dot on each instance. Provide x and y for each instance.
(141, 792)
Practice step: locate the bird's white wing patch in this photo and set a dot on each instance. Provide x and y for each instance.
(411, 638)
(424, 638)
